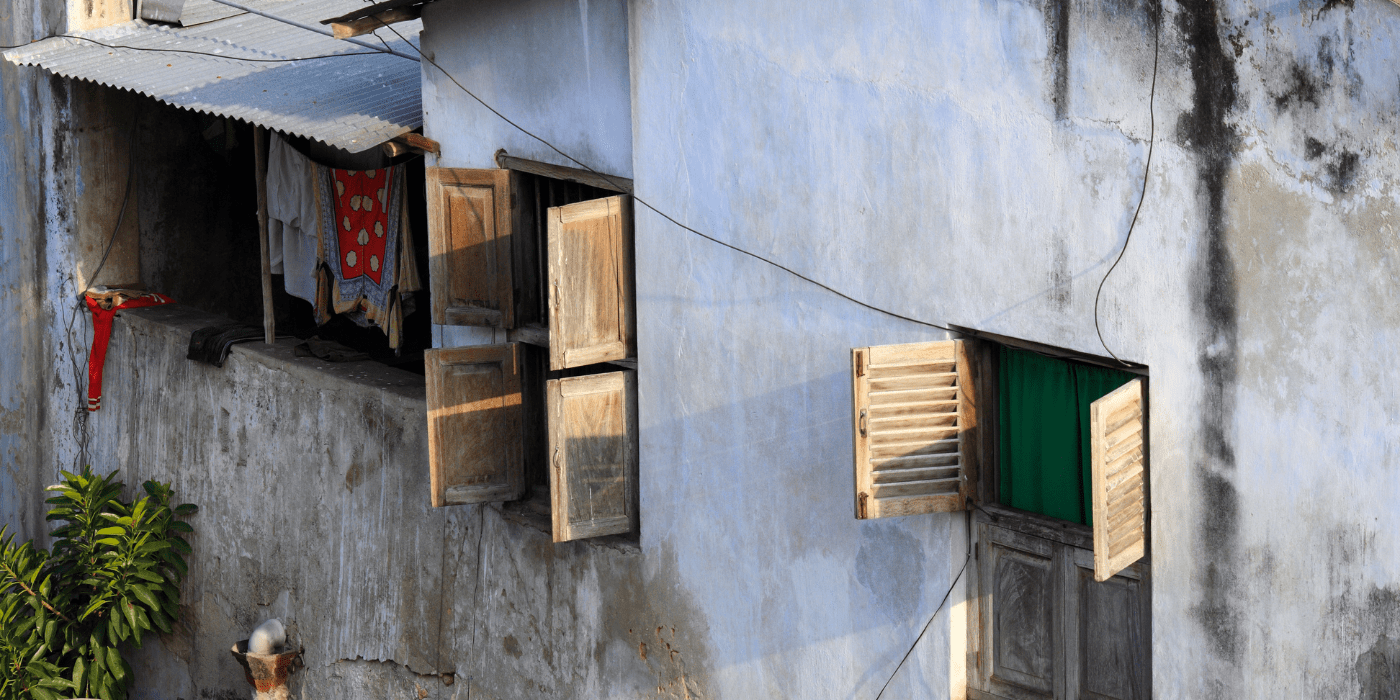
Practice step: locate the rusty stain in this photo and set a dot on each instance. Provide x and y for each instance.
(642, 650)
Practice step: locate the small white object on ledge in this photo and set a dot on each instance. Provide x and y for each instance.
(267, 638)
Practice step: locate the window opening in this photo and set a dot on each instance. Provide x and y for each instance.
(1044, 431)
(199, 230)
(549, 261)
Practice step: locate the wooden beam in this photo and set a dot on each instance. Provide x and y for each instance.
(410, 143)
(420, 142)
(260, 164)
(366, 25)
(612, 183)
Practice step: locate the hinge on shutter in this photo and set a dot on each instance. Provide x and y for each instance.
(860, 364)
(861, 505)
(864, 422)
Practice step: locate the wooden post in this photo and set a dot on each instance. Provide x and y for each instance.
(260, 160)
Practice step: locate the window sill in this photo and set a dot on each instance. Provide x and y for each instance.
(1036, 525)
(533, 513)
(177, 322)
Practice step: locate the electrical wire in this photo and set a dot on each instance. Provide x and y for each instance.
(1146, 171)
(376, 52)
(648, 205)
(951, 587)
(126, 197)
(218, 55)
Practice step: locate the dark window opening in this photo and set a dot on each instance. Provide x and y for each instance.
(1043, 411)
(199, 230)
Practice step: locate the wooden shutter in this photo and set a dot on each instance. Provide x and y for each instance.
(474, 424)
(593, 455)
(469, 238)
(591, 300)
(913, 417)
(1119, 453)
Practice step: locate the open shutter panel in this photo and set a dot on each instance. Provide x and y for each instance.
(469, 236)
(593, 455)
(474, 424)
(913, 417)
(591, 300)
(1119, 454)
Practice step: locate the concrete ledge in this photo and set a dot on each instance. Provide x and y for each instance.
(178, 322)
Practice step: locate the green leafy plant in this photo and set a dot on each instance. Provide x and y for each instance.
(113, 575)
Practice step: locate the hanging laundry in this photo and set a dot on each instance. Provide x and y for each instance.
(104, 305)
(369, 258)
(292, 213)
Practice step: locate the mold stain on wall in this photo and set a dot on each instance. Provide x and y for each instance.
(1206, 131)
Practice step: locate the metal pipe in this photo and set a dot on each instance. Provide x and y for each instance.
(319, 30)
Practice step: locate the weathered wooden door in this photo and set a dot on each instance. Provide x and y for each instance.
(1042, 628)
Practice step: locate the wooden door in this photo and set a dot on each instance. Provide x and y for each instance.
(592, 314)
(593, 455)
(469, 238)
(474, 432)
(1042, 627)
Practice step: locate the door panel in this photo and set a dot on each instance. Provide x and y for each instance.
(1025, 662)
(1042, 627)
(1113, 640)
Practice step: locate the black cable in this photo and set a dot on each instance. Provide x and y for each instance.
(1146, 170)
(126, 197)
(646, 204)
(931, 618)
(200, 53)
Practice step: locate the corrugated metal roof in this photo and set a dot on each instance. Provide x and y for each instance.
(354, 100)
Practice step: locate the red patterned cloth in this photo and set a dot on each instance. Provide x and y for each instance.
(362, 219)
(103, 309)
(366, 246)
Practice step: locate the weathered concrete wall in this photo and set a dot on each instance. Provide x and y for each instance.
(27, 369)
(313, 485)
(970, 164)
(979, 164)
(559, 65)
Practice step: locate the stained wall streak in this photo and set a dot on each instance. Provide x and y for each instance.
(1057, 16)
(1207, 132)
(22, 395)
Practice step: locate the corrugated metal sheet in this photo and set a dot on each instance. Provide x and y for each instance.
(200, 11)
(353, 100)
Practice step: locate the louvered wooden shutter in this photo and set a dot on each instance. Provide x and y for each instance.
(1119, 452)
(469, 238)
(474, 424)
(591, 300)
(913, 417)
(592, 455)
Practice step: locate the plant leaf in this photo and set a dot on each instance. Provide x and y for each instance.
(79, 677)
(115, 664)
(41, 693)
(144, 595)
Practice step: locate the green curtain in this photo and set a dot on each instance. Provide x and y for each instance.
(1044, 421)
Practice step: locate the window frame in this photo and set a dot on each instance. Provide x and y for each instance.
(537, 193)
(1070, 541)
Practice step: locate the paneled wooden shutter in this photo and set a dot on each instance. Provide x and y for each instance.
(593, 454)
(1119, 454)
(591, 300)
(469, 238)
(913, 417)
(474, 424)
